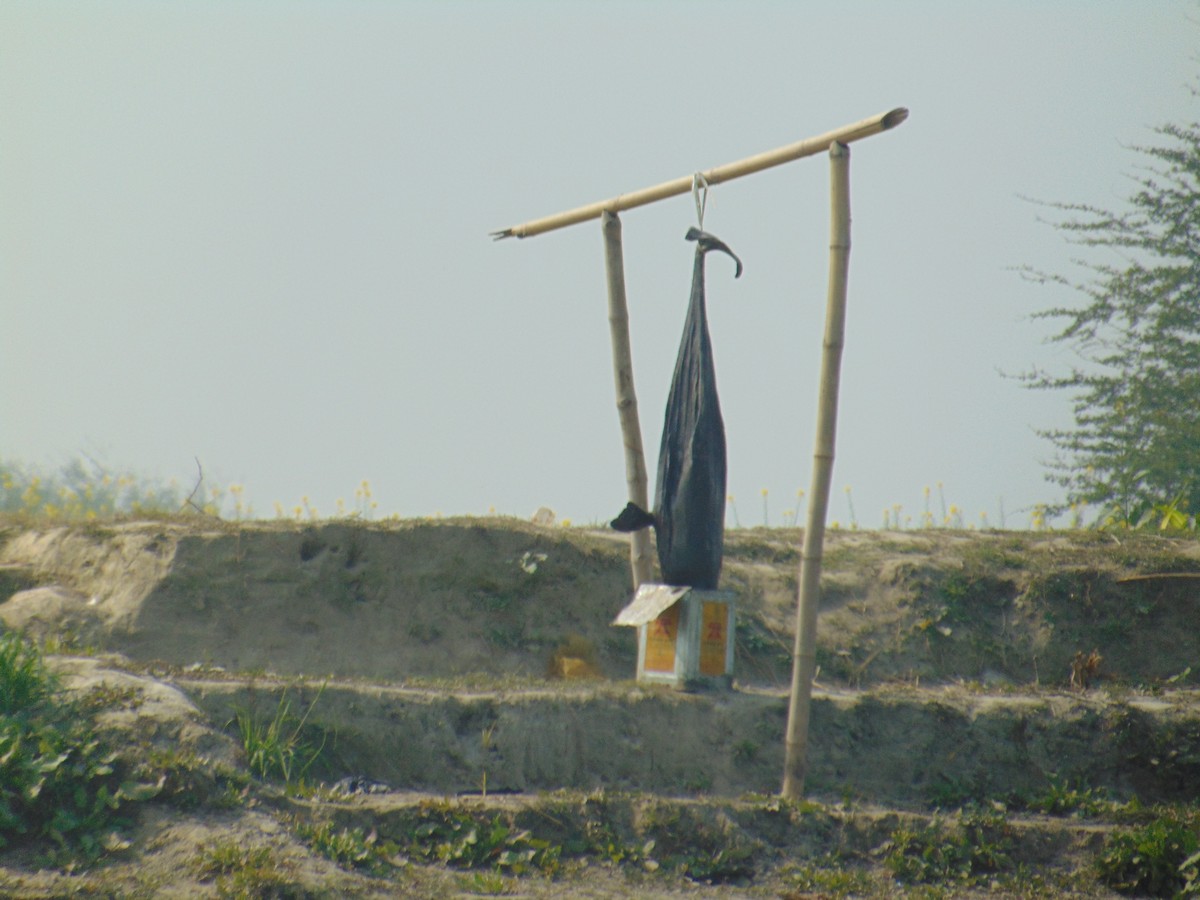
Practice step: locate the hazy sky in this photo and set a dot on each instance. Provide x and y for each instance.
(256, 233)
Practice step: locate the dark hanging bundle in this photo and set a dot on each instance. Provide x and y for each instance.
(689, 502)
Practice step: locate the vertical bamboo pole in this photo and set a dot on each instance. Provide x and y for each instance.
(795, 764)
(640, 560)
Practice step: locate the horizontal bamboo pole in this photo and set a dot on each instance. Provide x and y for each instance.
(748, 166)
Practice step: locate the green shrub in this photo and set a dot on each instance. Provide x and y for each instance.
(350, 848)
(1152, 860)
(1061, 798)
(58, 781)
(452, 835)
(978, 844)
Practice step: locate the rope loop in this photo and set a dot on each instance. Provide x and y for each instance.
(700, 196)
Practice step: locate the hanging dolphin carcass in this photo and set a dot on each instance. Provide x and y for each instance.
(689, 501)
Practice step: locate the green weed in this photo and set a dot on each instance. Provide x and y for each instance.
(826, 877)
(26, 682)
(451, 835)
(979, 844)
(59, 784)
(488, 884)
(1060, 798)
(350, 848)
(278, 748)
(189, 781)
(1157, 859)
(719, 866)
(241, 871)
(688, 842)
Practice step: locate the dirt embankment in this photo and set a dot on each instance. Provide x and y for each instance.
(455, 597)
(416, 653)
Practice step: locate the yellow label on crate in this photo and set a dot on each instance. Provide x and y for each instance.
(660, 641)
(714, 635)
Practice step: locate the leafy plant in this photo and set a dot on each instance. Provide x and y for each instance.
(826, 877)
(1153, 860)
(350, 848)
(980, 843)
(1189, 869)
(1060, 798)
(58, 780)
(453, 836)
(718, 866)
(687, 840)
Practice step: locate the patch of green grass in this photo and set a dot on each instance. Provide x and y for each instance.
(952, 793)
(278, 747)
(826, 877)
(241, 871)
(25, 683)
(994, 556)
(488, 884)
(189, 781)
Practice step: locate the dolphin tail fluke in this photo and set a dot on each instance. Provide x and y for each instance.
(632, 518)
